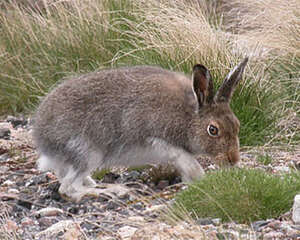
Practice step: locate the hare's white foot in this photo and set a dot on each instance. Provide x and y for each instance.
(188, 166)
(89, 182)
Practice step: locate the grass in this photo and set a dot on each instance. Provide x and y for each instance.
(39, 48)
(240, 195)
(265, 159)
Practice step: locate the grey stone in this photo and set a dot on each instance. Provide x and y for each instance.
(16, 122)
(162, 184)
(5, 133)
(204, 221)
(259, 224)
(296, 210)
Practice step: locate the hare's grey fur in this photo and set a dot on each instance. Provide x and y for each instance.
(134, 116)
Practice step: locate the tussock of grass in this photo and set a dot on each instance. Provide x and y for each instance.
(240, 195)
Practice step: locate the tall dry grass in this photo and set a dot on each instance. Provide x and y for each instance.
(273, 23)
(39, 48)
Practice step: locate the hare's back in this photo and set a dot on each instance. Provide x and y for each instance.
(136, 99)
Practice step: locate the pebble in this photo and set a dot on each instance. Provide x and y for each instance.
(13, 191)
(25, 204)
(4, 157)
(15, 122)
(27, 221)
(57, 227)
(259, 224)
(74, 233)
(282, 169)
(49, 211)
(162, 184)
(216, 221)
(112, 205)
(136, 219)
(8, 183)
(296, 210)
(273, 235)
(204, 221)
(127, 232)
(110, 177)
(5, 133)
(11, 226)
(154, 208)
(274, 224)
(131, 176)
(36, 180)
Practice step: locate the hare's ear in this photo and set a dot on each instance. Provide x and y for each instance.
(225, 92)
(202, 84)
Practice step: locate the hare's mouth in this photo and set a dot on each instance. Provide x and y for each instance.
(228, 159)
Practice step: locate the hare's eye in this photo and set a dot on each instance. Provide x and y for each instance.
(212, 130)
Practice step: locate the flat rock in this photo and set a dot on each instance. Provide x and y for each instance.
(56, 228)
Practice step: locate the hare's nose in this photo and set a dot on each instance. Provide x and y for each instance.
(233, 156)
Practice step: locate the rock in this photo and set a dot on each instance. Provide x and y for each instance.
(74, 233)
(110, 177)
(25, 204)
(228, 235)
(275, 224)
(162, 184)
(11, 226)
(138, 206)
(112, 205)
(27, 221)
(56, 228)
(216, 221)
(13, 191)
(15, 122)
(136, 219)
(4, 157)
(131, 176)
(155, 208)
(282, 169)
(5, 133)
(204, 221)
(296, 210)
(8, 183)
(49, 211)
(273, 235)
(36, 180)
(259, 224)
(127, 232)
(45, 222)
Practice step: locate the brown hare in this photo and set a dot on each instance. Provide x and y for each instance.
(135, 116)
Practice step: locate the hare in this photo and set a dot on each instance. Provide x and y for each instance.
(135, 116)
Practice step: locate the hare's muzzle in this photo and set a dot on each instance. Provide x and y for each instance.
(228, 159)
(233, 157)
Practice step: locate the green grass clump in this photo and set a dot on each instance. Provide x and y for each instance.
(99, 174)
(240, 195)
(265, 159)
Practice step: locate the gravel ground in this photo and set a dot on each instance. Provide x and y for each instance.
(31, 208)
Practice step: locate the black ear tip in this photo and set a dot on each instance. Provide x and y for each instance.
(199, 67)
